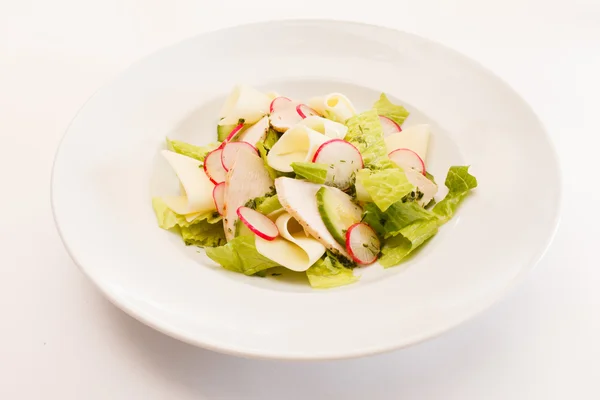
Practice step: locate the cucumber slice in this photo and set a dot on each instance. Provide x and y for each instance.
(337, 211)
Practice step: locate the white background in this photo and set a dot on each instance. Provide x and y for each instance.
(60, 339)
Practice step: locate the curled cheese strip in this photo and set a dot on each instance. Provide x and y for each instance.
(331, 129)
(415, 138)
(196, 188)
(335, 104)
(245, 103)
(298, 144)
(293, 249)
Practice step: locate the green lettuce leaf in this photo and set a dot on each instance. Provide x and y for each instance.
(312, 172)
(459, 183)
(407, 240)
(396, 218)
(366, 134)
(167, 219)
(268, 205)
(384, 187)
(271, 138)
(203, 234)
(328, 272)
(386, 108)
(240, 255)
(190, 150)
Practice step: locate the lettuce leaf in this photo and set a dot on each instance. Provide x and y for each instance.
(384, 187)
(396, 218)
(190, 150)
(459, 183)
(328, 272)
(203, 234)
(408, 239)
(271, 138)
(366, 134)
(386, 108)
(268, 205)
(240, 255)
(167, 219)
(312, 172)
(203, 231)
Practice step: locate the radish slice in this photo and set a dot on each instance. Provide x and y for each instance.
(344, 160)
(233, 133)
(219, 197)
(231, 150)
(389, 126)
(278, 102)
(362, 243)
(408, 158)
(305, 111)
(258, 223)
(214, 167)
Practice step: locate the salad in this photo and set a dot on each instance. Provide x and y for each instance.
(314, 187)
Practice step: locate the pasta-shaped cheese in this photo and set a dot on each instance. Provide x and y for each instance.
(415, 138)
(298, 144)
(197, 189)
(293, 249)
(331, 129)
(245, 103)
(335, 104)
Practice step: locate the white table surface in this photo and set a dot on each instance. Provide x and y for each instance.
(60, 339)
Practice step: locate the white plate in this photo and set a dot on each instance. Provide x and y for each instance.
(108, 167)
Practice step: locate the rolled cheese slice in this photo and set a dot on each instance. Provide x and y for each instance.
(297, 144)
(245, 103)
(327, 127)
(415, 138)
(293, 249)
(335, 104)
(196, 187)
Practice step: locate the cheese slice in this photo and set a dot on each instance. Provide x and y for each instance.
(415, 138)
(293, 249)
(196, 187)
(329, 128)
(335, 104)
(297, 144)
(245, 103)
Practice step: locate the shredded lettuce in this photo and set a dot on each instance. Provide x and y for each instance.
(386, 108)
(271, 138)
(268, 205)
(366, 134)
(384, 187)
(240, 255)
(406, 225)
(167, 219)
(203, 234)
(312, 172)
(203, 231)
(190, 150)
(408, 239)
(328, 272)
(459, 182)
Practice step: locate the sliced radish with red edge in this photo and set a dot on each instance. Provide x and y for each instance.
(389, 126)
(219, 197)
(279, 102)
(258, 223)
(305, 111)
(214, 167)
(408, 158)
(233, 133)
(362, 243)
(343, 159)
(231, 150)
